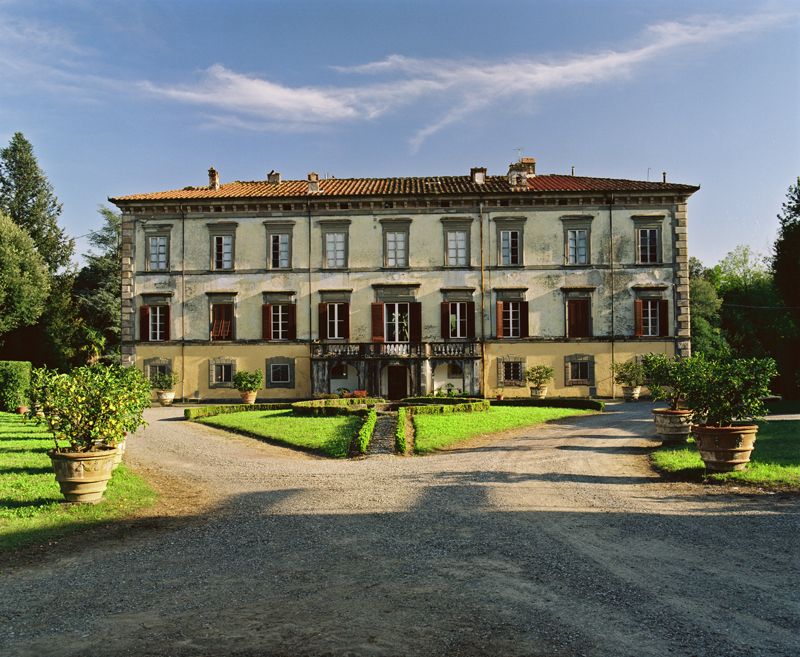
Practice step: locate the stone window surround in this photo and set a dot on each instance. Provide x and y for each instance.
(501, 380)
(156, 299)
(578, 292)
(510, 223)
(649, 221)
(221, 228)
(279, 228)
(335, 226)
(577, 222)
(399, 225)
(220, 298)
(157, 230)
(156, 362)
(335, 296)
(451, 224)
(220, 360)
(396, 292)
(280, 360)
(578, 358)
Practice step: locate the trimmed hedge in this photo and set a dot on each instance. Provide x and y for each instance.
(15, 379)
(475, 406)
(439, 401)
(400, 440)
(555, 402)
(365, 432)
(208, 411)
(330, 407)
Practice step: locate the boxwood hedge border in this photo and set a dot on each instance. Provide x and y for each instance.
(220, 409)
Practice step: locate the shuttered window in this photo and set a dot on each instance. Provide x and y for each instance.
(222, 321)
(578, 318)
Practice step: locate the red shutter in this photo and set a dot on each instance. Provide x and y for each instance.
(637, 318)
(523, 319)
(578, 324)
(291, 330)
(470, 319)
(166, 322)
(415, 322)
(323, 321)
(499, 322)
(377, 322)
(266, 322)
(663, 318)
(144, 323)
(445, 319)
(345, 310)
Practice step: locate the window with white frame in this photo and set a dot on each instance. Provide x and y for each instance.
(223, 252)
(457, 248)
(509, 247)
(158, 252)
(158, 329)
(335, 250)
(458, 319)
(577, 246)
(579, 370)
(396, 322)
(280, 372)
(280, 321)
(223, 373)
(649, 239)
(511, 319)
(651, 320)
(396, 245)
(279, 250)
(336, 320)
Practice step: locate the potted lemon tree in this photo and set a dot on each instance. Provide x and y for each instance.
(630, 375)
(668, 379)
(538, 377)
(89, 412)
(248, 384)
(163, 383)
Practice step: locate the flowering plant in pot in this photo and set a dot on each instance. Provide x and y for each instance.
(248, 384)
(668, 378)
(91, 409)
(163, 383)
(630, 375)
(727, 396)
(538, 376)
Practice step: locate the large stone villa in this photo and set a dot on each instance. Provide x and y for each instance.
(402, 286)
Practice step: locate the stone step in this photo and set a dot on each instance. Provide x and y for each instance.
(384, 434)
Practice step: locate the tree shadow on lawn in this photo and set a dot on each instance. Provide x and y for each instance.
(31, 470)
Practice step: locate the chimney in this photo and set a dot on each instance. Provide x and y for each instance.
(213, 178)
(273, 177)
(664, 176)
(519, 172)
(313, 182)
(478, 175)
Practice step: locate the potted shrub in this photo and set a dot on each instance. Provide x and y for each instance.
(248, 384)
(91, 409)
(668, 379)
(727, 396)
(163, 383)
(538, 376)
(630, 375)
(500, 393)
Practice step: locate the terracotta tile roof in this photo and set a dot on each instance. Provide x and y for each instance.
(451, 185)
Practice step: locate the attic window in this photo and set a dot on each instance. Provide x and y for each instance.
(344, 206)
(388, 204)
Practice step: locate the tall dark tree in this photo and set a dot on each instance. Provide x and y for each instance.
(707, 335)
(26, 196)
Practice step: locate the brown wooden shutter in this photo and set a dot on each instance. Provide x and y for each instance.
(144, 323)
(415, 322)
(291, 329)
(266, 322)
(377, 322)
(637, 317)
(578, 324)
(523, 319)
(345, 310)
(323, 321)
(445, 319)
(166, 322)
(470, 319)
(663, 318)
(499, 322)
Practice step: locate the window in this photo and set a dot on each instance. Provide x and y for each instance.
(154, 367)
(223, 373)
(279, 251)
(651, 317)
(510, 371)
(454, 371)
(158, 324)
(457, 317)
(158, 252)
(336, 320)
(648, 240)
(510, 319)
(579, 370)
(509, 247)
(279, 317)
(222, 321)
(335, 254)
(158, 370)
(280, 372)
(577, 247)
(456, 248)
(396, 322)
(579, 318)
(154, 322)
(396, 249)
(280, 321)
(223, 252)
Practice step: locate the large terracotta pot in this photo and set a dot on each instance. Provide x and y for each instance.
(725, 449)
(83, 476)
(166, 397)
(631, 393)
(120, 453)
(674, 427)
(248, 396)
(538, 392)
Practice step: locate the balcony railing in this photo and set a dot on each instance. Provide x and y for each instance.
(395, 350)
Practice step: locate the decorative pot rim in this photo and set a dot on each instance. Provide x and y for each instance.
(731, 429)
(77, 456)
(669, 411)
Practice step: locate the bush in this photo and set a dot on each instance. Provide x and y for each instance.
(666, 377)
(365, 432)
(15, 378)
(208, 411)
(163, 381)
(539, 375)
(629, 374)
(245, 381)
(477, 405)
(438, 400)
(555, 402)
(330, 407)
(400, 438)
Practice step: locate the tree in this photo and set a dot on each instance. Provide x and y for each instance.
(707, 335)
(24, 282)
(27, 197)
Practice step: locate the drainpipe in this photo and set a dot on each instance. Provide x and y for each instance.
(483, 298)
(611, 296)
(182, 212)
(310, 305)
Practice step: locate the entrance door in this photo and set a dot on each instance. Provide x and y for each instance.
(398, 381)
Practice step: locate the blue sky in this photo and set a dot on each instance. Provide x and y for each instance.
(135, 96)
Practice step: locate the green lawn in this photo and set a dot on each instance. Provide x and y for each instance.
(433, 432)
(32, 508)
(330, 436)
(775, 461)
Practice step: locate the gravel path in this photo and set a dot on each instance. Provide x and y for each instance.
(553, 540)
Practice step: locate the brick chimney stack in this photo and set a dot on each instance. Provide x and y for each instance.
(274, 177)
(519, 172)
(213, 178)
(313, 182)
(478, 175)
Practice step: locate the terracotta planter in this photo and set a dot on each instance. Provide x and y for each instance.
(631, 393)
(166, 397)
(538, 392)
(725, 449)
(22, 410)
(248, 397)
(499, 397)
(674, 427)
(83, 476)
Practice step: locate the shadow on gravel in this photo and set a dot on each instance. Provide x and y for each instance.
(513, 478)
(607, 449)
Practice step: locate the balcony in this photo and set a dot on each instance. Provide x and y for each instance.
(361, 350)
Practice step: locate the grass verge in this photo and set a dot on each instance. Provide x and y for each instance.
(775, 462)
(330, 436)
(32, 508)
(432, 432)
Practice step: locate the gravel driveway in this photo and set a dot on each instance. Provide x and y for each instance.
(551, 540)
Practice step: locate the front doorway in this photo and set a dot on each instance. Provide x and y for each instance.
(397, 376)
